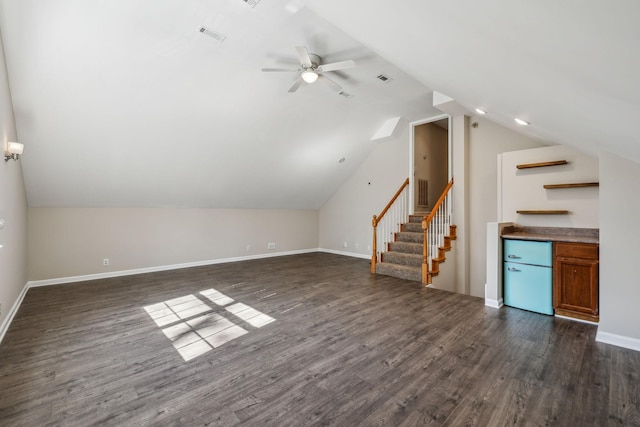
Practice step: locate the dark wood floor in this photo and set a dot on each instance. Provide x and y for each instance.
(346, 348)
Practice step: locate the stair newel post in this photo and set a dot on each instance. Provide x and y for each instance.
(425, 253)
(374, 256)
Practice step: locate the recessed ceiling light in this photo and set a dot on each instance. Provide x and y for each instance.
(480, 111)
(521, 122)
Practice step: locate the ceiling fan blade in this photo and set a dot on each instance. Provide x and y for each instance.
(333, 85)
(296, 85)
(271, 70)
(334, 66)
(303, 53)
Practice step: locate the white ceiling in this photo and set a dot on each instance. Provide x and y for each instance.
(570, 68)
(125, 103)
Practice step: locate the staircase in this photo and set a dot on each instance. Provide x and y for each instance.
(412, 250)
(404, 256)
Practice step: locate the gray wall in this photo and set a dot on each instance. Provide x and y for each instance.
(13, 208)
(66, 242)
(619, 237)
(430, 160)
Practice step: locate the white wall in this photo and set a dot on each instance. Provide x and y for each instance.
(619, 237)
(67, 242)
(346, 217)
(13, 208)
(486, 141)
(523, 188)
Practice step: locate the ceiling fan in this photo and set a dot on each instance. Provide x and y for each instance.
(311, 69)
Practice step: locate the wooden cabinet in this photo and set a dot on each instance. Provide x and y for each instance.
(575, 280)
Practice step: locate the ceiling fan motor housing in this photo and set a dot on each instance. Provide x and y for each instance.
(315, 61)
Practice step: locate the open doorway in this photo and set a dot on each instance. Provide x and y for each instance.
(431, 166)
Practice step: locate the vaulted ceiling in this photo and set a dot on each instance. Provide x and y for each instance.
(126, 103)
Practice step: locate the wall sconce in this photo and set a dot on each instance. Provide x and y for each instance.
(13, 151)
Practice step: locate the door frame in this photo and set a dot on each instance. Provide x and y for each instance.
(412, 131)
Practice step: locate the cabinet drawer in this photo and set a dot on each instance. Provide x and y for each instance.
(528, 252)
(528, 287)
(576, 250)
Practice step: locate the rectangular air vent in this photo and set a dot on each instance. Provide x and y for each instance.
(251, 3)
(215, 35)
(383, 78)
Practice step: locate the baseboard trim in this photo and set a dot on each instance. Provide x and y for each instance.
(111, 274)
(575, 319)
(14, 309)
(618, 340)
(493, 303)
(343, 253)
(89, 277)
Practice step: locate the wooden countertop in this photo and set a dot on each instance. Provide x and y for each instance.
(552, 234)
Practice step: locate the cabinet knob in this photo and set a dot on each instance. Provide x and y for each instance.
(513, 269)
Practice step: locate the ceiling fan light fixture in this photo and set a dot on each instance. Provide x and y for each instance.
(309, 76)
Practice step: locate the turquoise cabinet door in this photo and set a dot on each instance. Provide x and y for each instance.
(528, 287)
(528, 252)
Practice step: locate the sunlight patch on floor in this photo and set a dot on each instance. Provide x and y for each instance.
(192, 332)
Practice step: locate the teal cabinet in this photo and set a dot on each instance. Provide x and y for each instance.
(528, 278)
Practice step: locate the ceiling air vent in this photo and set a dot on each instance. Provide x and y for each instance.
(251, 3)
(383, 78)
(210, 33)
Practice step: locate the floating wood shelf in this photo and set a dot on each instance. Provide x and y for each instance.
(542, 164)
(543, 212)
(576, 185)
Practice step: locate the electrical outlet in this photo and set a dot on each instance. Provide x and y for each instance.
(105, 262)
(248, 248)
(344, 245)
(356, 246)
(271, 246)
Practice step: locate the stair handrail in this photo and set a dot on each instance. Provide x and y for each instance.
(376, 220)
(427, 222)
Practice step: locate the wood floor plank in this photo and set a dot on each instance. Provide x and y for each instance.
(345, 348)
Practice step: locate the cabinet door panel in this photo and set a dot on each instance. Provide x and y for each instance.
(528, 287)
(576, 250)
(528, 252)
(576, 285)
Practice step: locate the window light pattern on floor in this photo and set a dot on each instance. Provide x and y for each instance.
(192, 332)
